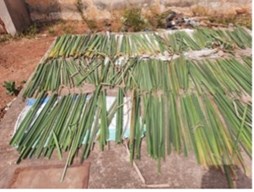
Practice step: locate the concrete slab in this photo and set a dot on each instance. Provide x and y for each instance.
(14, 16)
(112, 169)
(49, 177)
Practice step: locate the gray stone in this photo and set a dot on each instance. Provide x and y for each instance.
(14, 15)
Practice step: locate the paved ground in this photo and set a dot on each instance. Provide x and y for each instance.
(112, 169)
(48, 177)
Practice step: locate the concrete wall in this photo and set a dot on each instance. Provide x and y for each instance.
(14, 16)
(102, 9)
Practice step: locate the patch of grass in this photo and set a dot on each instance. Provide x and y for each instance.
(31, 31)
(242, 20)
(49, 27)
(91, 24)
(199, 11)
(157, 19)
(133, 20)
(67, 29)
(11, 88)
(225, 19)
(5, 37)
(51, 31)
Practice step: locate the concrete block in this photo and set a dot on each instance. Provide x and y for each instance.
(14, 16)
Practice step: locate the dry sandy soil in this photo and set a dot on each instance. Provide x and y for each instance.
(18, 58)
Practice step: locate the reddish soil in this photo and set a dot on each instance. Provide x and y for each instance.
(18, 59)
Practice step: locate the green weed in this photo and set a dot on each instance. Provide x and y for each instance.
(11, 88)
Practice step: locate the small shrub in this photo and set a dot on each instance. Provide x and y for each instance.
(31, 31)
(199, 11)
(11, 88)
(158, 20)
(91, 24)
(5, 37)
(67, 29)
(133, 20)
(51, 31)
(239, 18)
(243, 20)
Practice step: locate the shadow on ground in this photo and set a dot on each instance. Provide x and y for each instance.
(214, 178)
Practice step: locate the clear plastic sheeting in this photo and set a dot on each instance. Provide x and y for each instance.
(112, 127)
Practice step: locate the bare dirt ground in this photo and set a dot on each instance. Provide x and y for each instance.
(18, 59)
(109, 169)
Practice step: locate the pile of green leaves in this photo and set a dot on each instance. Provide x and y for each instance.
(148, 43)
(201, 106)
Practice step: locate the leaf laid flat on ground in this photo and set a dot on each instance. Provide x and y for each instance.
(179, 104)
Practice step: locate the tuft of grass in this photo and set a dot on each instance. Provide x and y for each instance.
(199, 11)
(31, 31)
(242, 20)
(91, 24)
(51, 31)
(11, 88)
(133, 20)
(158, 20)
(5, 37)
(67, 29)
(225, 19)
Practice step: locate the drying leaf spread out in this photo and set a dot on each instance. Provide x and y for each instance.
(177, 104)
